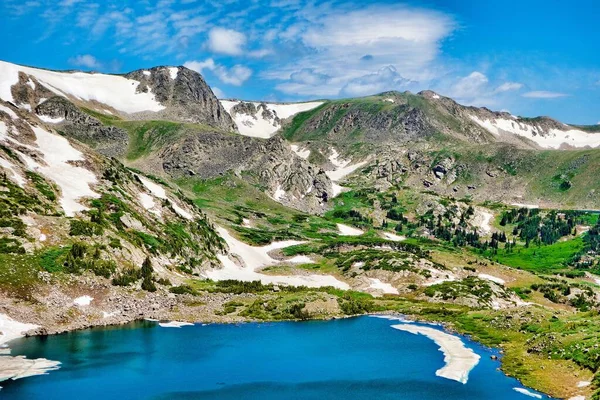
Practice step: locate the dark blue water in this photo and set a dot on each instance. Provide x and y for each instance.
(358, 358)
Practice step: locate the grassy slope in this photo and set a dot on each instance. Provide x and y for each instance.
(146, 137)
(542, 258)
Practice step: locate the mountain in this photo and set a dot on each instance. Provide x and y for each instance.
(120, 116)
(431, 142)
(172, 93)
(142, 195)
(263, 120)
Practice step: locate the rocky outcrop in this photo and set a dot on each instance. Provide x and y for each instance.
(253, 110)
(28, 92)
(286, 177)
(185, 94)
(108, 140)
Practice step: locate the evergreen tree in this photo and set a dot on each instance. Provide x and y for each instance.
(147, 269)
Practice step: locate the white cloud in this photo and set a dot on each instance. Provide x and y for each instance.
(352, 47)
(226, 41)
(471, 86)
(218, 92)
(370, 26)
(87, 61)
(235, 75)
(542, 94)
(199, 66)
(386, 78)
(260, 53)
(69, 3)
(476, 89)
(308, 76)
(508, 86)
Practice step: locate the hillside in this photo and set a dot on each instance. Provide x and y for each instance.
(430, 142)
(144, 196)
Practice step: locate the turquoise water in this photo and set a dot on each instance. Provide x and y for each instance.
(355, 358)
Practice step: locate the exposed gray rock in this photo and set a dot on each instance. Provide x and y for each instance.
(187, 98)
(108, 140)
(211, 153)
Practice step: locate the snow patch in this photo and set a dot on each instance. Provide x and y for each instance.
(155, 189)
(435, 96)
(84, 86)
(449, 278)
(74, 182)
(528, 393)
(482, 220)
(393, 238)
(147, 73)
(279, 193)
(159, 192)
(301, 259)
(255, 258)
(302, 153)
(342, 168)
(19, 180)
(11, 329)
(337, 189)
(345, 230)
(180, 211)
(149, 204)
(20, 367)
(386, 288)
(50, 120)
(459, 359)
(83, 301)
(173, 71)
(486, 124)
(147, 201)
(7, 110)
(552, 139)
(492, 278)
(532, 206)
(174, 324)
(256, 125)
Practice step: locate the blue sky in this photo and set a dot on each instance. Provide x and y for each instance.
(529, 57)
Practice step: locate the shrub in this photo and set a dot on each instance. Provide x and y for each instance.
(148, 285)
(85, 228)
(127, 277)
(8, 245)
(183, 289)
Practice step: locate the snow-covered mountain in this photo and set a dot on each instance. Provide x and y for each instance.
(263, 120)
(545, 132)
(169, 93)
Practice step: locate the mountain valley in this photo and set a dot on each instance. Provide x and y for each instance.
(142, 195)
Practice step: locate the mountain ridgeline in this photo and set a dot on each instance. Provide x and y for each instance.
(168, 122)
(142, 195)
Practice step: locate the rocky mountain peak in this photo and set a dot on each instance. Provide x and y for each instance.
(185, 94)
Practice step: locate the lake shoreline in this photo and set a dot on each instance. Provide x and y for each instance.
(451, 344)
(449, 340)
(184, 308)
